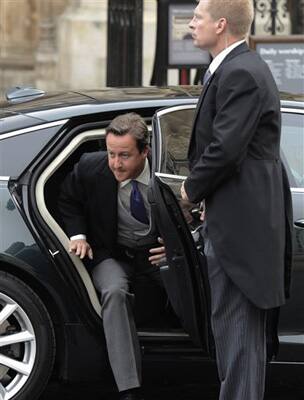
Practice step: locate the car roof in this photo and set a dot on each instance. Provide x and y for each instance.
(62, 105)
(101, 96)
(113, 95)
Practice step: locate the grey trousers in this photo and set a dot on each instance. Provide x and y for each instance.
(239, 329)
(112, 279)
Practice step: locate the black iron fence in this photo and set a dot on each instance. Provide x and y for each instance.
(276, 13)
(124, 54)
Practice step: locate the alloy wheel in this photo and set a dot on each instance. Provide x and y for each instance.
(17, 347)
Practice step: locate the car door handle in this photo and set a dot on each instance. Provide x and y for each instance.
(299, 223)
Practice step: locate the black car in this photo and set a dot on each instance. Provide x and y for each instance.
(49, 310)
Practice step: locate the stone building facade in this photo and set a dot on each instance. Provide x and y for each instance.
(62, 44)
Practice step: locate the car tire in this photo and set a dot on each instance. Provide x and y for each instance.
(27, 341)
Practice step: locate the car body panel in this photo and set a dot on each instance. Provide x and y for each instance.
(19, 248)
(21, 256)
(182, 273)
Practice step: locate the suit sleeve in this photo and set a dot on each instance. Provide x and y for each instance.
(238, 105)
(71, 201)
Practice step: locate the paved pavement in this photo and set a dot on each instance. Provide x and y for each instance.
(160, 392)
(159, 389)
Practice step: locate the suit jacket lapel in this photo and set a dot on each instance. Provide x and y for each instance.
(242, 48)
(201, 98)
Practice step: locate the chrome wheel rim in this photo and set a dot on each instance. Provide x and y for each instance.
(17, 347)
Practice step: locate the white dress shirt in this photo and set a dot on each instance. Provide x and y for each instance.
(216, 62)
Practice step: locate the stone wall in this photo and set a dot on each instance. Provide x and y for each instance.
(61, 44)
(82, 45)
(27, 41)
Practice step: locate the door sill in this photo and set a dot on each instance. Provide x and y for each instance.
(163, 334)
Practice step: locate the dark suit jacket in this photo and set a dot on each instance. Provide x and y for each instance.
(88, 204)
(235, 166)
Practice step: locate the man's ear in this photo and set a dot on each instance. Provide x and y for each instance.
(221, 25)
(146, 150)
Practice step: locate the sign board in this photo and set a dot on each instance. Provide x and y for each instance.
(285, 58)
(181, 51)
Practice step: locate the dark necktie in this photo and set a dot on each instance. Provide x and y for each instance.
(137, 206)
(207, 76)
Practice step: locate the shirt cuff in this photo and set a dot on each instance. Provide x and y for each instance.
(78, 237)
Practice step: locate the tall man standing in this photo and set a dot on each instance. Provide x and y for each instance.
(235, 167)
(105, 210)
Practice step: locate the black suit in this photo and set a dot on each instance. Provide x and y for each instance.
(236, 168)
(89, 205)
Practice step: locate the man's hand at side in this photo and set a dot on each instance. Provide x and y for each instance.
(81, 248)
(183, 192)
(158, 253)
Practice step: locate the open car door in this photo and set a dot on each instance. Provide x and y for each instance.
(185, 272)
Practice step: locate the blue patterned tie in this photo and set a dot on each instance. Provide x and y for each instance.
(137, 205)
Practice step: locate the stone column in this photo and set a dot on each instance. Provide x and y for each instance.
(149, 39)
(82, 31)
(18, 38)
(46, 53)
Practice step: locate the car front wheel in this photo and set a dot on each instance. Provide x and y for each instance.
(27, 341)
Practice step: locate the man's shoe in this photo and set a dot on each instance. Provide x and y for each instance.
(133, 394)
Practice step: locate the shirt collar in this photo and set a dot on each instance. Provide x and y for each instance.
(216, 62)
(143, 177)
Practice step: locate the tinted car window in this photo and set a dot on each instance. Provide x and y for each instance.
(176, 130)
(292, 147)
(17, 152)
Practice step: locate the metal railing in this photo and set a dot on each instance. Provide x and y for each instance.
(124, 61)
(274, 12)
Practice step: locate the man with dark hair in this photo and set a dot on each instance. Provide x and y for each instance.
(235, 168)
(106, 214)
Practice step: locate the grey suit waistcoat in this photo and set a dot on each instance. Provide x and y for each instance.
(131, 232)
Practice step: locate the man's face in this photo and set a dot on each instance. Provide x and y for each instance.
(203, 27)
(125, 160)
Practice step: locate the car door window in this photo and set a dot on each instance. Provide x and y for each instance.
(175, 124)
(172, 129)
(292, 147)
